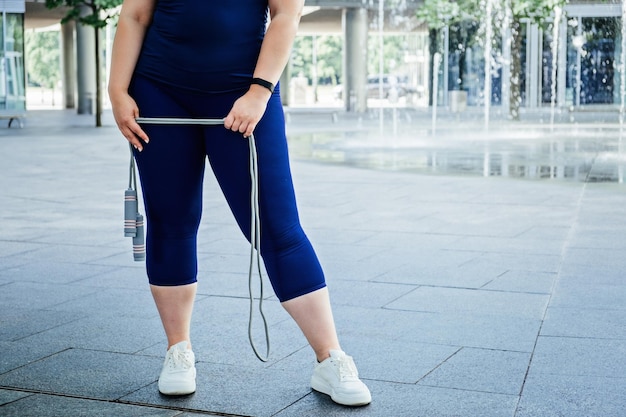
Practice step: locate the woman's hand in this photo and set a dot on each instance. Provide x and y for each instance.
(125, 111)
(248, 110)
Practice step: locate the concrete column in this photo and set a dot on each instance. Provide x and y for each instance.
(506, 70)
(533, 65)
(85, 68)
(285, 87)
(354, 24)
(561, 90)
(68, 71)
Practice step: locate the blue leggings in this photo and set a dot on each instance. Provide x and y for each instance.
(171, 169)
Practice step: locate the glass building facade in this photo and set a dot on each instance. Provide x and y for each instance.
(582, 67)
(12, 75)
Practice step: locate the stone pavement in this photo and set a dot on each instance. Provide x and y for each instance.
(458, 293)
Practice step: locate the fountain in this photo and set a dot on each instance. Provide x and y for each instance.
(381, 60)
(555, 62)
(530, 149)
(436, 63)
(623, 69)
(488, 39)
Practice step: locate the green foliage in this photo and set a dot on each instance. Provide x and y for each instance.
(43, 59)
(101, 11)
(536, 10)
(439, 13)
(394, 47)
(329, 57)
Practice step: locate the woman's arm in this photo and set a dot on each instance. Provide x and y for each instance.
(131, 29)
(275, 51)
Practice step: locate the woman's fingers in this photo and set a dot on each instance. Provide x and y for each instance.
(134, 133)
(244, 115)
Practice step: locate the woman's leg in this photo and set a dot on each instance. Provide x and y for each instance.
(171, 169)
(313, 314)
(175, 306)
(291, 262)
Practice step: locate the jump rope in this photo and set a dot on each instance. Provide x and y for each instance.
(133, 220)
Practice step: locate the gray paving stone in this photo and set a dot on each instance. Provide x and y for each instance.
(103, 232)
(525, 262)
(589, 295)
(131, 277)
(20, 353)
(234, 390)
(8, 263)
(51, 272)
(469, 275)
(611, 239)
(372, 294)
(409, 400)
(85, 373)
(40, 295)
(599, 273)
(548, 234)
(75, 253)
(364, 270)
(484, 370)
(394, 360)
(462, 329)
(516, 244)
(572, 395)
(19, 322)
(8, 396)
(460, 300)
(113, 303)
(593, 256)
(50, 405)
(580, 357)
(123, 333)
(11, 248)
(585, 322)
(523, 281)
(67, 280)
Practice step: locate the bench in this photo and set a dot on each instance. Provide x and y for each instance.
(13, 115)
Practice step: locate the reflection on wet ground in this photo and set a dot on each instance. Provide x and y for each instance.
(590, 152)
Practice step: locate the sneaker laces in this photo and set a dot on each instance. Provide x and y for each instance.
(179, 359)
(347, 368)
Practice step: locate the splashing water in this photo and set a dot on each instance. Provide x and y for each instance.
(488, 37)
(623, 69)
(558, 12)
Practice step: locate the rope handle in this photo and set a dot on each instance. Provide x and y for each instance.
(255, 221)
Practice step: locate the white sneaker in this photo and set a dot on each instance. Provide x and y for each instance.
(178, 376)
(338, 377)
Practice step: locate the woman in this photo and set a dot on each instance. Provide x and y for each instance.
(200, 59)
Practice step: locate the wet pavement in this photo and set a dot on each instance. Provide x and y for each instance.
(473, 272)
(588, 147)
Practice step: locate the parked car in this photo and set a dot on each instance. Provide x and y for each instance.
(400, 83)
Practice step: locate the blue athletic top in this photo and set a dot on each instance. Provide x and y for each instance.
(203, 45)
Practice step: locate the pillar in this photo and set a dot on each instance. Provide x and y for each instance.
(85, 67)
(561, 83)
(68, 71)
(533, 65)
(355, 22)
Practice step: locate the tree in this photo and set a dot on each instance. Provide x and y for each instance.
(95, 13)
(462, 17)
(537, 11)
(441, 13)
(43, 61)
